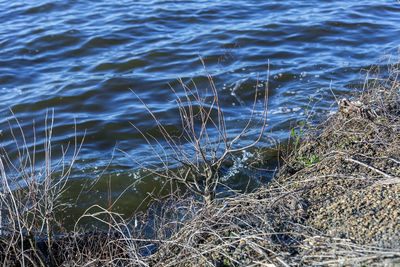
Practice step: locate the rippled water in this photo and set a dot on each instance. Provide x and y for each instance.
(83, 57)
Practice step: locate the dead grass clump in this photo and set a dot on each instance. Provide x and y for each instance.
(241, 229)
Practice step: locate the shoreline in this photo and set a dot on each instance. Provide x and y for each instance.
(335, 201)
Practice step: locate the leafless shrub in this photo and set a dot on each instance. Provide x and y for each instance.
(204, 143)
(30, 196)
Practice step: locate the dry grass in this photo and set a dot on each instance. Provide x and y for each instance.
(262, 229)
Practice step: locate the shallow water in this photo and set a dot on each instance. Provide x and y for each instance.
(81, 58)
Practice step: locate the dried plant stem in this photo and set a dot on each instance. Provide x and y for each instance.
(204, 144)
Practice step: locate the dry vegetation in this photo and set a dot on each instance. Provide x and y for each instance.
(31, 188)
(203, 144)
(335, 201)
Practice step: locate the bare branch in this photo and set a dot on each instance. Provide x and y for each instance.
(206, 142)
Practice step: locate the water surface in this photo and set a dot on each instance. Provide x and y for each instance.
(83, 58)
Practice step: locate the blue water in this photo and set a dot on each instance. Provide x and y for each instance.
(83, 58)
